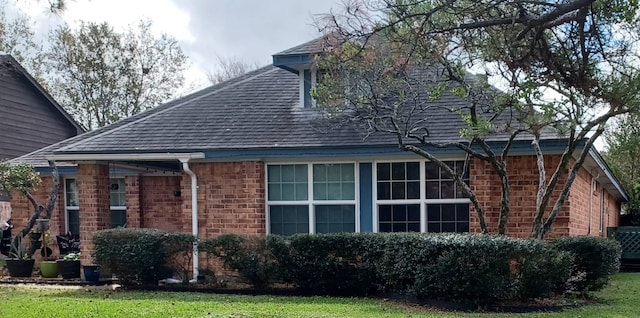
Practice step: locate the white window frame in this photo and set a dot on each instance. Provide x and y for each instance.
(423, 201)
(311, 203)
(314, 74)
(70, 207)
(118, 207)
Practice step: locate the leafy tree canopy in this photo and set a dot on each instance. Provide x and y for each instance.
(564, 68)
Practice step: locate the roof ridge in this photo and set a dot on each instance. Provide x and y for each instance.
(263, 71)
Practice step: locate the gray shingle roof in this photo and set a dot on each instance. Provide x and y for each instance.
(311, 47)
(259, 110)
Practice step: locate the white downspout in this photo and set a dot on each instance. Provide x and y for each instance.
(594, 182)
(194, 214)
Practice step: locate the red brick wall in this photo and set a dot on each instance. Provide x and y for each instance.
(573, 219)
(230, 198)
(162, 208)
(93, 194)
(523, 183)
(21, 208)
(587, 207)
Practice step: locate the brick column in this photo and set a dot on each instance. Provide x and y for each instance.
(133, 184)
(93, 192)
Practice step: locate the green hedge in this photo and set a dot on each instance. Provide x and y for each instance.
(335, 264)
(596, 259)
(478, 269)
(249, 255)
(140, 256)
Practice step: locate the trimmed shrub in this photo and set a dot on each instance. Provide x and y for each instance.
(178, 248)
(137, 256)
(334, 264)
(477, 269)
(248, 255)
(596, 259)
(542, 269)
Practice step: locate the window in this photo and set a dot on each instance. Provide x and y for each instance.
(118, 197)
(418, 196)
(311, 198)
(72, 206)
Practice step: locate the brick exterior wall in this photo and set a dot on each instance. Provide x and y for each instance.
(588, 207)
(21, 208)
(523, 182)
(93, 195)
(230, 198)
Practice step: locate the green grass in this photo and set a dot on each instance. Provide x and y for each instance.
(620, 299)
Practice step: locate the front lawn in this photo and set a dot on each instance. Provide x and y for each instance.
(620, 299)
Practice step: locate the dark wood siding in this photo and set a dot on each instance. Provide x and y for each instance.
(28, 120)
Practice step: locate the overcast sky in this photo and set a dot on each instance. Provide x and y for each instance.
(250, 30)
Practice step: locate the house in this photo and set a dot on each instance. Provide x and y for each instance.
(245, 157)
(30, 118)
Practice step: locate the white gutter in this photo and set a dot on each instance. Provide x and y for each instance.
(125, 156)
(194, 213)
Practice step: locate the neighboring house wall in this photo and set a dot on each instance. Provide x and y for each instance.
(28, 120)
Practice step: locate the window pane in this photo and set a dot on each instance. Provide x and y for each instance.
(333, 181)
(413, 190)
(289, 219)
(118, 193)
(432, 171)
(454, 217)
(383, 171)
(397, 171)
(447, 190)
(71, 192)
(433, 189)
(384, 190)
(413, 171)
(118, 218)
(287, 182)
(274, 173)
(73, 217)
(319, 191)
(397, 191)
(335, 218)
(348, 172)
(334, 191)
(349, 191)
(399, 218)
(433, 213)
(448, 212)
(287, 173)
(384, 213)
(275, 191)
(319, 173)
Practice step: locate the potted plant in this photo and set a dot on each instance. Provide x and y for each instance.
(20, 263)
(92, 273)
(48, 266)
(69, 266)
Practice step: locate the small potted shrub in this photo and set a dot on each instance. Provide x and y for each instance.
(69, 266)
(19, 263)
